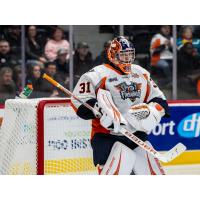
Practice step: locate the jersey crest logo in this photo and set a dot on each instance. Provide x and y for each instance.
(131, 91)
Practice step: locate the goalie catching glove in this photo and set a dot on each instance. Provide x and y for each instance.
(144, 117)
(111, 118)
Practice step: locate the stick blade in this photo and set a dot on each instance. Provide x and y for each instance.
(173, 153)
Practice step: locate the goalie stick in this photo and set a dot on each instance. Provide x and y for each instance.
(164, 157)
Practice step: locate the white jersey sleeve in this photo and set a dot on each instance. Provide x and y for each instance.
(154, 94)
(86, 88)
(153, 90)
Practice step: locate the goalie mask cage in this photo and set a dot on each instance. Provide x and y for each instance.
(44, 136)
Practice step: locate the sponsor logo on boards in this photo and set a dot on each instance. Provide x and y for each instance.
(189, 127)
(71, 144)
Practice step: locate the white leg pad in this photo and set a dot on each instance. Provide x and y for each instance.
(146, 164)
(120, 161)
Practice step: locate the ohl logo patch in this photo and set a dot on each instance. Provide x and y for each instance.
(131, 91)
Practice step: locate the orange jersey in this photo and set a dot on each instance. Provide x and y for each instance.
(157, 41)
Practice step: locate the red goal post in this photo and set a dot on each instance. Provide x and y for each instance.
(40, 129)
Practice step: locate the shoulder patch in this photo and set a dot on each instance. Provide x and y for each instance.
(112, 79)
(92, 70)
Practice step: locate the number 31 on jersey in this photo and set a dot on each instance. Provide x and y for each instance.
(84, 87)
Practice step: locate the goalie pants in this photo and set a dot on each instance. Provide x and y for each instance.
(102, 144)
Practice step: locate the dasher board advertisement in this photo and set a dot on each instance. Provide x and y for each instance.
(182, 126)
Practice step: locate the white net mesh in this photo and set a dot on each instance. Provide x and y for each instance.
(18, 138)
(66, 139)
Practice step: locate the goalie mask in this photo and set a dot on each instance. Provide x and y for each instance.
(121, 53)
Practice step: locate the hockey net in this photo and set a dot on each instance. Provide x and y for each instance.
(44, 136)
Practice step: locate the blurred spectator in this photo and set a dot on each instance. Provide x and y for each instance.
(34, 45)
(83, 61)
(187, 36)
(54, 44)
(61, 62)
(50, 69)
(198, 87)
(189, 67)
(7, 85)
(6, 57)
(31, 63)
(13, 36)
(34, 77)
(102, 58)
(62, 65)
(17, 78)
(161, 52)
(188, 59)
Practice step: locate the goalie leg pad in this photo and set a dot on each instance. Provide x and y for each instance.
(102, 144)
(146, 164)
(120, 161)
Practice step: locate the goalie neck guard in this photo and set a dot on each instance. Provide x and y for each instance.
(121, 53)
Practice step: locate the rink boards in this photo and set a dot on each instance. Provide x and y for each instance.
(182, 126)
